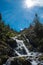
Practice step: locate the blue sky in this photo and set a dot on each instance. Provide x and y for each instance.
(20, 13)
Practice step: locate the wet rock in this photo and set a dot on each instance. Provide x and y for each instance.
(21, 61)
(39, 64)
(26, 62)
(12, 43)
(14, 62)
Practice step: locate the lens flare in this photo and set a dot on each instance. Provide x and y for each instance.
(29, 3)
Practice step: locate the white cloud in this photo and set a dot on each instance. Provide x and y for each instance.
(32, 3)
(39, 2)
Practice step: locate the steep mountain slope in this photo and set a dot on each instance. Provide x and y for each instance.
(5, 34)
(35, 34)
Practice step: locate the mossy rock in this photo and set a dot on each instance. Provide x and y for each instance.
(3, 58)
(20, 61)
(41, 58)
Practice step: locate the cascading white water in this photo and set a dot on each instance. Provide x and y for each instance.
(22, 45)
(34, 63)
(19, 50)
(17, 53)
(26, 38)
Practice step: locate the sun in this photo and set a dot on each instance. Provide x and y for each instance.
(29, 3)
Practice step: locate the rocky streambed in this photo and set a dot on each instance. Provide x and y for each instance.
(25, 57)
(33, 59)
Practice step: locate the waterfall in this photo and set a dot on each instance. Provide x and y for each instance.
(22, 51)
(21, 45)
(26, 38)
(34, 63)
(17, 53)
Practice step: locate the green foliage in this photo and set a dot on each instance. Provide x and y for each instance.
(35, 33)
(38, 29)
(5, 30)
(5, 34)
(3, 59)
